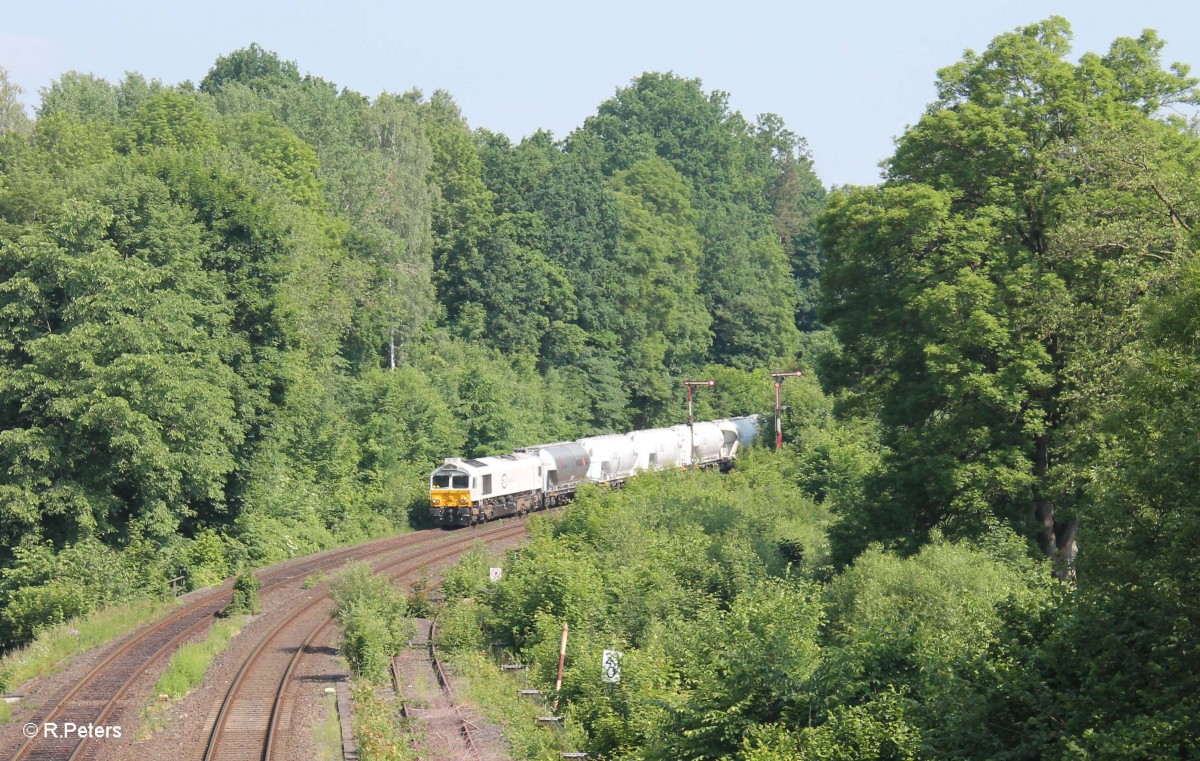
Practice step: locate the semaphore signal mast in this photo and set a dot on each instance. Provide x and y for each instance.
(779, 377)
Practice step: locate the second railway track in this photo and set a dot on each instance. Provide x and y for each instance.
(246, 724)
(99, 696)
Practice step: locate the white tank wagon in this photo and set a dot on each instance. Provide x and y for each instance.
(657, 448)
(466, 492)
(747, 429)
(709, 444)
(564, 468)
(613, 458)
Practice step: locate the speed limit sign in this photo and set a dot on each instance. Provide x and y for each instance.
(610, 666)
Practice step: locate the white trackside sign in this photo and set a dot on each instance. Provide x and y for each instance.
(495, 573)
(610, 667)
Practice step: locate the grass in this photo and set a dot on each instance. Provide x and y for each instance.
(54, 648)
(328, 734)
(185, 671)
(477, 678)
(377, 732)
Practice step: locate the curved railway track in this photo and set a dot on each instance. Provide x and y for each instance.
(246, 724)
(96, 698)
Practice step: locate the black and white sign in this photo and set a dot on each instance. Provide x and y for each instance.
(495, 573)
(610, 667)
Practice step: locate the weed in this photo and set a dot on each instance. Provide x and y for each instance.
(185, 671)
(53, 648)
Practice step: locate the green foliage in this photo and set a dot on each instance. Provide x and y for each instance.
(190, 663)
(981, 292)
(732, 686)
(693, 577)
(752, 185)
(371, 613)
(1128, 652)
(245, 596)
(467, 578)
(250, 66)
(662, 250)
(376, 732)
(460, 626)
(55, 647)
(42, 589)
(13, 119)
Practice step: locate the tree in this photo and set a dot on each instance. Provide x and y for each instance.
(13, 119)
(971, 306)
(83, 96)
(252, 66)
(751, 187)
(1128, 655)
(667, 328)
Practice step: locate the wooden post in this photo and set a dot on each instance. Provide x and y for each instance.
(562, 661)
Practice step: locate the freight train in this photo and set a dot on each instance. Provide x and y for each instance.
(466, 492)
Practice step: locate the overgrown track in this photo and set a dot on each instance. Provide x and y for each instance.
(245, 725)
(465, 726)
(96, 698)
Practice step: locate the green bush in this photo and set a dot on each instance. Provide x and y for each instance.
(245, 596)
(372, 616)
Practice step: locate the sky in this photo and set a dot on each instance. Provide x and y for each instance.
(847, 76)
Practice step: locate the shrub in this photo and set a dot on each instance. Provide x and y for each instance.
(245, 596)
(371, 614)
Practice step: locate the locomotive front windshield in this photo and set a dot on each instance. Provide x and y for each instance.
(450, 480)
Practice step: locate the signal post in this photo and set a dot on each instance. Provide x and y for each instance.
(779, 377)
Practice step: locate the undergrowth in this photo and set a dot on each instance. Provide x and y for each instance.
(53, 648)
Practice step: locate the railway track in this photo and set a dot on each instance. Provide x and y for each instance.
(464, 727)
(443, 716)
(97, 697)
(248, 720)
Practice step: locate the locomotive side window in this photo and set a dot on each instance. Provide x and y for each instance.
(487, 484)
(460, 482)
(441, 480)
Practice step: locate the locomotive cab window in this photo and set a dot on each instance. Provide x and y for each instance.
(441, 480)
(460, 482)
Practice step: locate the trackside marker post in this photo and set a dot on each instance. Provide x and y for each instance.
(562, 660)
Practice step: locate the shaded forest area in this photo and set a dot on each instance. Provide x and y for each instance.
(242, 319)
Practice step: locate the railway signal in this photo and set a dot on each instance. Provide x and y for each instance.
(779, 377)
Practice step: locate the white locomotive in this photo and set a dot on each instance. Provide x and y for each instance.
(466, 492)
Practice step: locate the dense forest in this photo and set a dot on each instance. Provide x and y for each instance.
(242, 319)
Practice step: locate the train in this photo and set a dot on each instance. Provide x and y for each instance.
(467, 492)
